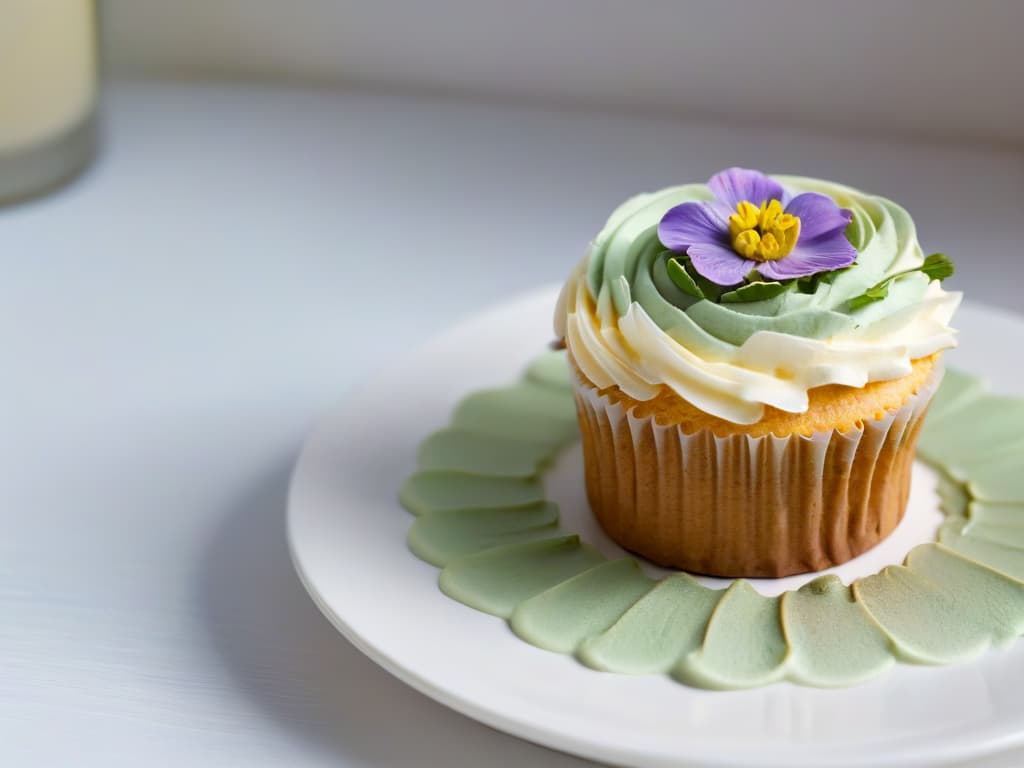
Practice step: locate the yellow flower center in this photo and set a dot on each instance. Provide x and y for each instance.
(763, 233)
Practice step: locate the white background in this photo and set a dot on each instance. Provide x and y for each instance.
(934, 68)
(238, 259)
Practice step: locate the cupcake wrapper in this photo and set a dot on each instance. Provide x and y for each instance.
(746, 506)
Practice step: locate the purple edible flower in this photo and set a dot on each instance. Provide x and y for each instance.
(753, 223)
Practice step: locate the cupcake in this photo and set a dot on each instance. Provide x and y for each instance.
(752, 361)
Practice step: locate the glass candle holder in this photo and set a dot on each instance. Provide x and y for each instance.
(48, 93)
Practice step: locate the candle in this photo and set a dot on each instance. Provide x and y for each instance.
(48, 87)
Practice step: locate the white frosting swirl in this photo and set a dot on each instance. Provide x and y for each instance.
(625, 347)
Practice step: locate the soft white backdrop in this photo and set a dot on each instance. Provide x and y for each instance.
(920, 68)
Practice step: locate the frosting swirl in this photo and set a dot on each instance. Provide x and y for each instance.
(627, 324)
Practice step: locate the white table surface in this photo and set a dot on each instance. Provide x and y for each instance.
(236, 261)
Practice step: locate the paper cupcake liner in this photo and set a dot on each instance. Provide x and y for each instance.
(746, 506)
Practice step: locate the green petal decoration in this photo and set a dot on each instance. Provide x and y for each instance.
(497, 580)
(483, 519)
(436, 489)
(481, 454)
(550, 369)
(525, 411)
(756, 291)
(970, 438)
(743, 645)
(834, 641)
(663, 626)
(682, 279)
(563, 617)
(445, 535)
(957, 389)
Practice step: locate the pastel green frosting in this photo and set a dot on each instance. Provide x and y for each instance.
(628, 264)
(483, 520)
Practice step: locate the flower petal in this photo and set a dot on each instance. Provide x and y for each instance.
(690, 223)
(819, 215)
(734, 185)
(718, 263)
(822, 254)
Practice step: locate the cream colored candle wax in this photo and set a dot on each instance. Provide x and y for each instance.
(48, 87)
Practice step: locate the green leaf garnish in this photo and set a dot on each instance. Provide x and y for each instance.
(936, 267)
(757, 291)
(682, 279)
(870, 296)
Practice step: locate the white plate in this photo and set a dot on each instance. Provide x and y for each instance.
(347, 537)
